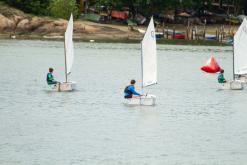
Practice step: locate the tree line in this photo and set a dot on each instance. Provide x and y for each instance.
(55, 8)
(63, 8)
(156, 6)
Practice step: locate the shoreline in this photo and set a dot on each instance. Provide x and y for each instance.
(123, 39)
(15, 24)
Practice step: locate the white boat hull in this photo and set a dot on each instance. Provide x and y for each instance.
(232, 85)
(64, 87)
(243, 79)
(147, 100)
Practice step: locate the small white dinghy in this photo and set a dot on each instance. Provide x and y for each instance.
(69, 59)
(232, 85)
(239, 59)
(149, 67)
(240, 52)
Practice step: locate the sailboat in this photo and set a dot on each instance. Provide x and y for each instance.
(240, 50)
(149, 66)
(69, 59)
(239, 59)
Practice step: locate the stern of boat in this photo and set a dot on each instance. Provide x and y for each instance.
(148, 100)
(232, 85)
(64, 87)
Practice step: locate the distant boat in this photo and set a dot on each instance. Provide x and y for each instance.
(69, 59)
(229, 41)
(210, 37)
(149, 66)
(157, 34)
(141, 31)
(178, 36)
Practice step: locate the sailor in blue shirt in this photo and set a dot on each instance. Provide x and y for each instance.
(129, 91)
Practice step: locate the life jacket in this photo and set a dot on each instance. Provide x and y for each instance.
(126, 90)
(221, 78)
(49, 79)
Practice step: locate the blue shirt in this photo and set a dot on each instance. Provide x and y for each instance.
(131, 88)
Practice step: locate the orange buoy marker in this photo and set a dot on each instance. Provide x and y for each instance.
(211, 66)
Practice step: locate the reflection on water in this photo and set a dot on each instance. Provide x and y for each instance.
(192, 123)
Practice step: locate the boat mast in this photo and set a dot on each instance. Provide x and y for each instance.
(65, 59)
(233, 60)
(142, 65)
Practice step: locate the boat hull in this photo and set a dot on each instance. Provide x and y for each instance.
(243, 79)
(232, 85)
(148, 100)
(64, 87)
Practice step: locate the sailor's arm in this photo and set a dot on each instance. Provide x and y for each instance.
(132, 89)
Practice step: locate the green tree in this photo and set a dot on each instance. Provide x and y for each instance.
(63, 8)
(148, 7)
(245, 7)
(31, 6)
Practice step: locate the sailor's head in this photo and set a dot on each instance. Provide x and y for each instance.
(51, 70)
(222, 71)
(132, 82)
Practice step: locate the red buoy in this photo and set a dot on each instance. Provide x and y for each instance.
(211, 66)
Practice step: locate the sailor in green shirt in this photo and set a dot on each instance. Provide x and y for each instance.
(50, 78)
(221, 78)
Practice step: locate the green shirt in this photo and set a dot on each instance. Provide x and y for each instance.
(221, 78)
(49, 78)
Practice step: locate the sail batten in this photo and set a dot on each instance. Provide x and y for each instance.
(240, 49)
(149, 56)
(69, 46)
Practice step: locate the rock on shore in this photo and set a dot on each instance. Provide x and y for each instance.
(14, 22)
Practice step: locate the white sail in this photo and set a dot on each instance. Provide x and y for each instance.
(240, 49)
(149, 57)
(69, 46)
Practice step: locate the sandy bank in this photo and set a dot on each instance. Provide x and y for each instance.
(15, 23)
